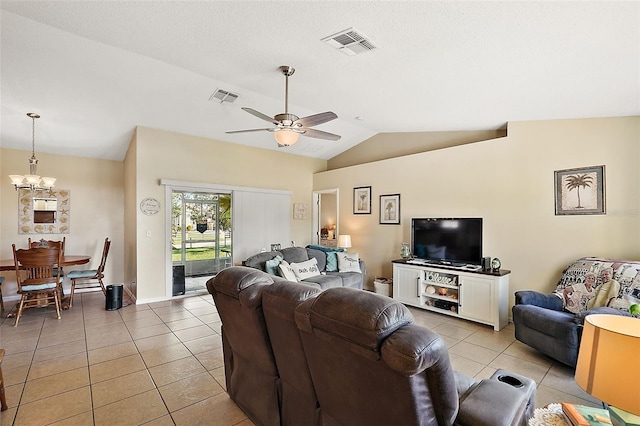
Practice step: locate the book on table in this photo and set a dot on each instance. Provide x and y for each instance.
(583, 415)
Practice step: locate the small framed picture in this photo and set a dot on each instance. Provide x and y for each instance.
(362, 200)
(580, 191)
(299, 211)
(390, 209)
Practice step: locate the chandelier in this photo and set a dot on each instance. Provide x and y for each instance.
(32, 181)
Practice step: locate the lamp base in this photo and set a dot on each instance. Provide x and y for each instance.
(623, 418)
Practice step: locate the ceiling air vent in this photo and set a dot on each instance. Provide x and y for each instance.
(223, 96)
(350, 42)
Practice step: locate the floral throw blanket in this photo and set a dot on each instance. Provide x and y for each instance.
(585, 278)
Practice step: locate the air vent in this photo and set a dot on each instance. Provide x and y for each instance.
(223, 96)
(350, 42)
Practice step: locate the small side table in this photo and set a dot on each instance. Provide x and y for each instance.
(551, 415)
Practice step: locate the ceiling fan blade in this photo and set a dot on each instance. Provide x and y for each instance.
(319, 134)
(249, 130)
(260, 115)
(314, 120)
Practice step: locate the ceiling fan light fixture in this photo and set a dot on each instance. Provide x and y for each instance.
(286, 137)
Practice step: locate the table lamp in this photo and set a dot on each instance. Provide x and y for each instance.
(608, 364)
(344, 241)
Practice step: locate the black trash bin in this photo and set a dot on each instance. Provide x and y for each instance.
(114, 297)
(178, 280)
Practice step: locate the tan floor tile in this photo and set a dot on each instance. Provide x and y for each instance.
(148, 331)
(18, 346)
(465, 365)
(184, 323)
(520, 350)
(156, 342)
(203, 310)
(218, 374)
(159, 356)
(176, 370)
(135, 410)
(546, 395)
(55, 408)
(209, 318)
(57, 365)
(128, 316)
(567, 385)
(204, 344)
(58, 350)
(12, 376)
(116, 367)
(103, 329)
(173, 307)
(217, 327)
(474, 352)
(13, 394)
(9, 333)
(55, 384)
(175, 316)
(17, 360)
(194, 333)
(120, 388)
(450, 330)
(107, 339)
(188, 391)
(108, 353)
(143, 322)
(7, 417)
(485, 373)
(497, 341)
(227, 413)
(162, 421)
(212, 359)
(82, 419)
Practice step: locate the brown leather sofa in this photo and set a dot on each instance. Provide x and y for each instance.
(298, 356)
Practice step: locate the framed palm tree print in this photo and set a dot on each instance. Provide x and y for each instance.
(362, 200)
(390, 209)
(580, 191)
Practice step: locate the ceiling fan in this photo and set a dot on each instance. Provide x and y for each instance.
(288, 127)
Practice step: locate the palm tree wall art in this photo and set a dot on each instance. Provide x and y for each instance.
(580, 191)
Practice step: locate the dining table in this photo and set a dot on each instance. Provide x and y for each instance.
(66, 260)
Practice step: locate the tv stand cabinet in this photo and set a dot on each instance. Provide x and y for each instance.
(480, 296)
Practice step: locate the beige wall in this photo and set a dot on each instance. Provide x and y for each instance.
(165, 155)
(96, 209)
(510, 183)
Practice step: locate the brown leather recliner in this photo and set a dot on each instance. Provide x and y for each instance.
(299, 404)
(371, 366)
(251, 373)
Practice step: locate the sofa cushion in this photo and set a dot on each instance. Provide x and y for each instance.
(271, 266)
(295, 254)
(306, 269)
(286, 271)
(325, 281)
(320, 256)
(348, 262)
(332, 262)
(258, 261)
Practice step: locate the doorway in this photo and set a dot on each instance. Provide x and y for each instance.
(325, 217)
(200, 238)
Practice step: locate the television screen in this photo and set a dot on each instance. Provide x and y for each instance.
(457, 241)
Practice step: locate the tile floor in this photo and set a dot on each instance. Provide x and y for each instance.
(161, 364)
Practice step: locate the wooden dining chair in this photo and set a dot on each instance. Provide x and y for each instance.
(3, 398)
(37, 282)
(90, 278)
(50, 243)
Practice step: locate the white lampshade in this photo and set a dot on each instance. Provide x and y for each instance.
(286, 137)
(16, 179)
(32, 179)
(48, 181)
(344, 241)
(608, 360)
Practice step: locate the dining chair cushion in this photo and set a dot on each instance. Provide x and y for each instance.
(82, 274)
(38, 287)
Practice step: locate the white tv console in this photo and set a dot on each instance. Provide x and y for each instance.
(461, 291)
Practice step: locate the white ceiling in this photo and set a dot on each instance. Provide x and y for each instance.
(96, 69)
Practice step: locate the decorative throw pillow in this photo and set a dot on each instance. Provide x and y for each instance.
(332, 262)
(348, 262)
(306, 269)
(271, 266)
(286, 271)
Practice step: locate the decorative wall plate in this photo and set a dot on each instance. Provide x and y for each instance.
(150, 206)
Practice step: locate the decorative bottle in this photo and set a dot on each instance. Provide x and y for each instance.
(405, 251)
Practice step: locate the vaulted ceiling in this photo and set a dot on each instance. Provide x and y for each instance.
(94, 70)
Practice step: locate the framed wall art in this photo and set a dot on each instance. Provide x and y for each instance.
(580, 191)
(390, 209)
(362, 200)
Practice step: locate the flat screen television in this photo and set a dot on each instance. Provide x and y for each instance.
(456, 241)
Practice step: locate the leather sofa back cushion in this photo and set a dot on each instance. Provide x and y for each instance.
(258, 261)
(320, 256)
(232, 281)
(332, 312)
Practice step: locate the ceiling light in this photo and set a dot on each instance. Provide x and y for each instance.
(286, 137)
(32, 181)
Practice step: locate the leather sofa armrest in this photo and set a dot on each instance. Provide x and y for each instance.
(491, 403)
(547, 301)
